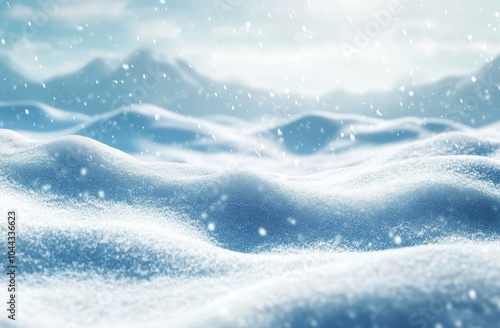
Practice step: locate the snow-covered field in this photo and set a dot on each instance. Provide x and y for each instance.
(317, 220)
(249, 164)
(151, 195)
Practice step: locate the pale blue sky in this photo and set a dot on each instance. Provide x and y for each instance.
(303, 46)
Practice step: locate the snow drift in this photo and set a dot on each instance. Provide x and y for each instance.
(398, 227)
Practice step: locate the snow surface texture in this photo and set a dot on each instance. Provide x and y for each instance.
(375, 224)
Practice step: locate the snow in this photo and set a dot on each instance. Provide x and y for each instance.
(342, 170)
(199, 203)
(405, 235)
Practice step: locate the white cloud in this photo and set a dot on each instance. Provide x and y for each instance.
(92, 11)
(260, 42)
(156, 30)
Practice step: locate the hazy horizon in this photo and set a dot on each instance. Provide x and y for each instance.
(307, 47)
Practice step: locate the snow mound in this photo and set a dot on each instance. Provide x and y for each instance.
(129, 128)
(405, 235)
(308, 134)
(37, 117)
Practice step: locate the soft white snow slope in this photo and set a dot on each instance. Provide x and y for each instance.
(398, 227)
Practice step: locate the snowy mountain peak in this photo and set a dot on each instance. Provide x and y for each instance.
(147, 77)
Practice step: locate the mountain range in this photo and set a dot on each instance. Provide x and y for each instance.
(146, 77)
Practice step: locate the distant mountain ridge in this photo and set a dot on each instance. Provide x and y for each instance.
(145, 77)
